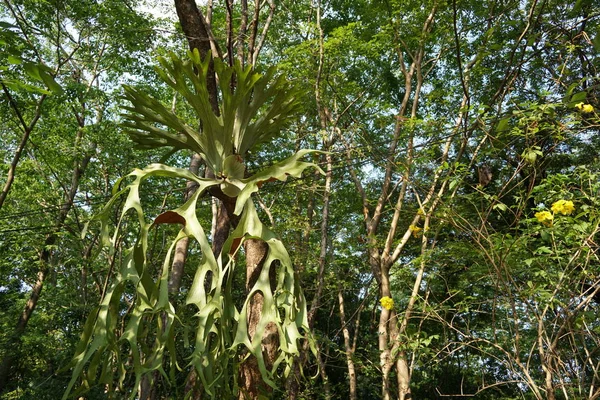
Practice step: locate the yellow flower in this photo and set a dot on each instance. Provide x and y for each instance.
(387, 302)
(584, 108)
(588, 108)
(545, 217)
(565, 207)
(415, 230)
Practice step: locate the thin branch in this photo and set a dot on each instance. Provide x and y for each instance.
(253, 30)
(229, 24)
(242, 32)
(263, 36)
(27, 129)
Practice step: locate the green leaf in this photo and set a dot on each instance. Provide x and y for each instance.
(219, 327)
(285, 307)
(500, 206)
(233, 167)
(543, 250)
(577, 98)
(32, 70)
(99, 342)
(48, 79)
(14, 60)
(17, 85)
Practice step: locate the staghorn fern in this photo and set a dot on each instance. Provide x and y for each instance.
(251, 114)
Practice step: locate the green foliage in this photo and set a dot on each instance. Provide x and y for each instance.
(47, 43)
(152, 327)
(15, 56)
(494, 273)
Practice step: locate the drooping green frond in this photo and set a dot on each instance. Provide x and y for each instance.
(152, 326)
(285, 307)
(152, 313)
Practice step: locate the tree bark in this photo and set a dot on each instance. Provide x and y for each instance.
(197, 34)
(251, 382)
(347, 345)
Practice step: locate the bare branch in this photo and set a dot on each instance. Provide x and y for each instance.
(263, 36)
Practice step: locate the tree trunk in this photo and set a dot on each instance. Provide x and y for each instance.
(44, 260)
(385, 352)
(403, 377)
(197, 31)
(251, 382)
(348, 347)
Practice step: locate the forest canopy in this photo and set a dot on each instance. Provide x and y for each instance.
(300, 200)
